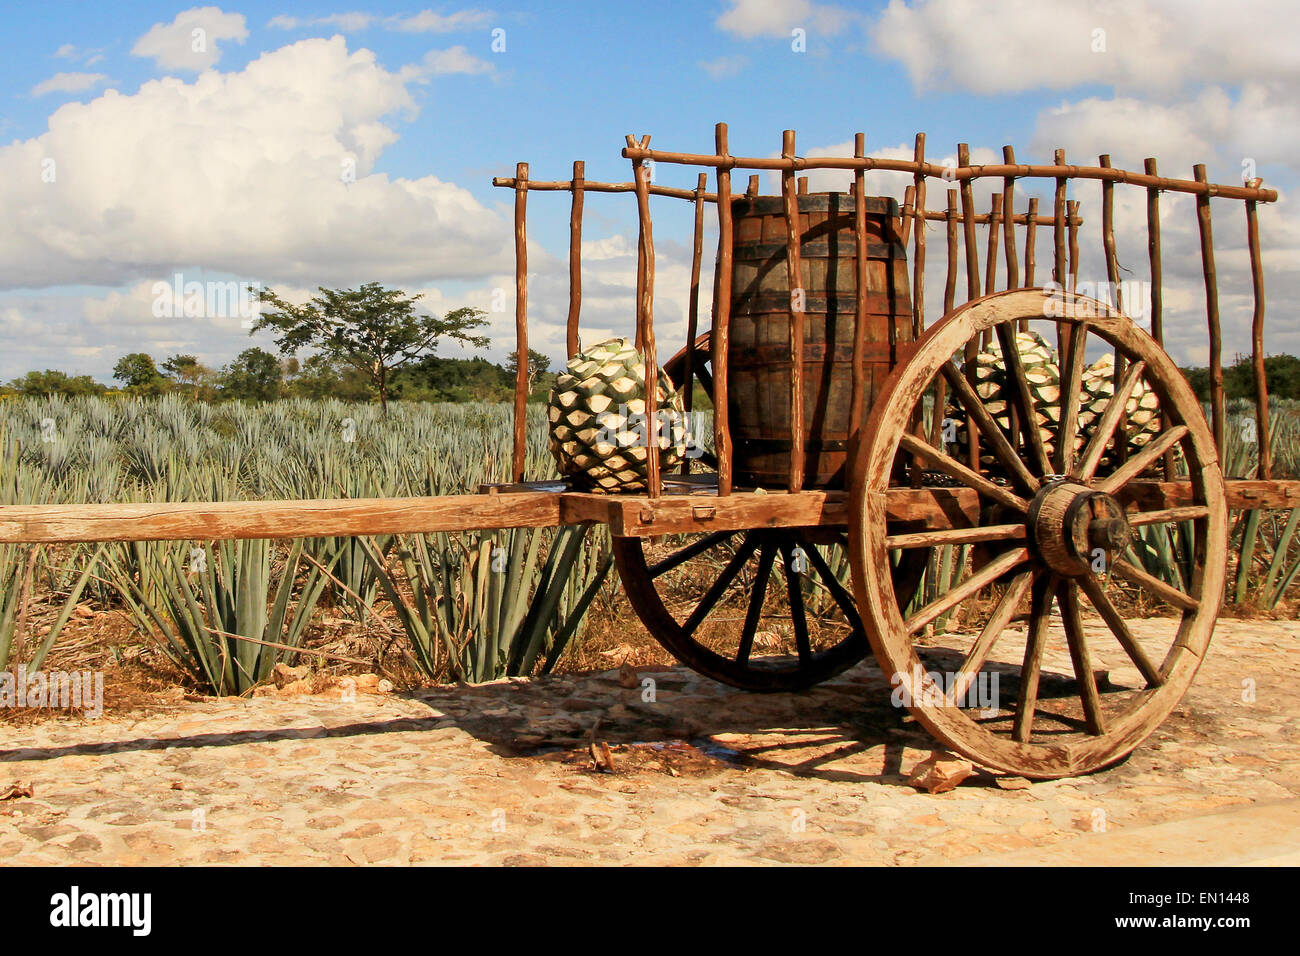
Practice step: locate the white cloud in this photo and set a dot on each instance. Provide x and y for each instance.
(70, 51)
(245, 173)
(455, 59)
(193, 40)
(724, 66)
(427, 21)
(1144, 45)
(748, 19)
(68, 83)
(346, 22)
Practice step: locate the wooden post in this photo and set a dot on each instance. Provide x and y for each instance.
(720, 337)
(521, 319)
(950, 284)
(752, 189)
(1108, 239)
(1153, 253)
(1157, 294)
(918, 243)
(693, 307)
(575, 258)
(1072, 221)
(1211, 308)
(857, 397)
(1009, 220)
(1112, 276)
(968, 217)
(1059, 274)
(645, 320)
(803, 185)
(1265, 469)
(905, 215)
(991, 257)
(972, 292)
(1031, 242)
(797, 307)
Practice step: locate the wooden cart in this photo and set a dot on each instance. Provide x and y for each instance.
(837, 514)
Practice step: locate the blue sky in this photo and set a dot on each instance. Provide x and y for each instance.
(223, 162)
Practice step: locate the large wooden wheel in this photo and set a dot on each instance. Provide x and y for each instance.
(1054, 528)
(762, 609)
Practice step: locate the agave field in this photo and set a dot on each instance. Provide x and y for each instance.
(475, 607)
(472, 606)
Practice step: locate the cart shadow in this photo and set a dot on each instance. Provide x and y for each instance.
(671, 722)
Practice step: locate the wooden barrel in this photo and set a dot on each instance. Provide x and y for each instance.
(758, 357)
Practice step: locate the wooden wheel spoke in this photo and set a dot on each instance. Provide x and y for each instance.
(1002, 448)
(977, 535)
(997, 623)
(720, 586)
(1110, 614)
(1116, 409)
(1022, 396)
(756, 599)
(1067, 598)
(1167, 593)
(1143, 460)
(955, 469)
(1039, 614)
(1188, 513)
(694, 549)
(1072, 375)
(985, 576)
(838, 592)
(794, 589)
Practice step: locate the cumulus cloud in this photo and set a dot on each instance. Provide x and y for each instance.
(427, 21)
(724, 66)
(192, 41)
(346, 22)
(266, 173)
(455, 59)
(1057, 44)
(68, 83)
(748, 19)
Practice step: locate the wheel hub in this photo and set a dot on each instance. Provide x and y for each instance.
(1071, 526)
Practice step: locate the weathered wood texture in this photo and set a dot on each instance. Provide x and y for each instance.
(522, 506)
(761, 318)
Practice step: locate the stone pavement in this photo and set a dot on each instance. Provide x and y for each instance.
(502, 774)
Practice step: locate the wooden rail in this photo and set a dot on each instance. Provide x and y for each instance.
(683, 508)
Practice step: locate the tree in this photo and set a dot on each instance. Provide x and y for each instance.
(538, 366)
(372, 329)
(1281, 374)
(190, 374)
(318, 378)
(139, 374)
(254, 375)
(54, 382)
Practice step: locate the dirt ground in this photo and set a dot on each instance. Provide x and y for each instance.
(503, 774)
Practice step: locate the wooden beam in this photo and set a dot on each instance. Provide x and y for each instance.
(675, 511)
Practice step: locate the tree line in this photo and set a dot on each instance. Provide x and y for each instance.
(1281, 375)
(363, 344)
